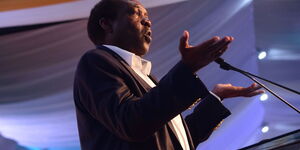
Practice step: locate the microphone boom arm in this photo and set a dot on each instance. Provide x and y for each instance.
(228, 67)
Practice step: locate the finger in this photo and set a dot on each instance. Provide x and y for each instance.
(256, 86)
(220, 44)
(253, 87)
(216, 50)
(209, 42)
(184, 40)
(252, 90)
(254, 93)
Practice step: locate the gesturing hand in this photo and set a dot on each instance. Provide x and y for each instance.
(228, 90)
(201, 55)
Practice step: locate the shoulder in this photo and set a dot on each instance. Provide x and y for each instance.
(97, 55)
(99, 59)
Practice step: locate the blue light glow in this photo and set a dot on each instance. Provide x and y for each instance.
(262, 55)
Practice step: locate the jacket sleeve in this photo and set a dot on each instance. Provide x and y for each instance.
(104, 94)
(207, 115)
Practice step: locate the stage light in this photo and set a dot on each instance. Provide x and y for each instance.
(265, 129)
(264, 97)
(262, 55)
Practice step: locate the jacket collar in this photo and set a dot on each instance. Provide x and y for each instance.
(140, 82)
(134, 61)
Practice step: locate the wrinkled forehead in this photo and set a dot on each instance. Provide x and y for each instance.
(134, 2)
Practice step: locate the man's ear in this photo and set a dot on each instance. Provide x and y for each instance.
(106, 25)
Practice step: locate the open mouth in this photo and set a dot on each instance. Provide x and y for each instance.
(148, 37)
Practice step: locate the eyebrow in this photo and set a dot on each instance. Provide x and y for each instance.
(140, 9)
(137, 8)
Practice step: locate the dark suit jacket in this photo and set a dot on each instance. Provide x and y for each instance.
(117, 110)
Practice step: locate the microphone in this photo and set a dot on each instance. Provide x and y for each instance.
(219, 60)
(223, 64)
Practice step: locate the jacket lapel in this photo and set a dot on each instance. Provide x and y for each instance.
(155, 81)
(138, 79)
(142, 84)
(171, 126)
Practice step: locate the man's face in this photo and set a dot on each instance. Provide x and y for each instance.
(132, 29)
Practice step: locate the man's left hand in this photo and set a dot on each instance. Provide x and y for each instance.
(229, 91)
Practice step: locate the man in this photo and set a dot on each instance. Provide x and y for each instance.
(118, 104)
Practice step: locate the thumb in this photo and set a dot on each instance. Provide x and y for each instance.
(184, 40)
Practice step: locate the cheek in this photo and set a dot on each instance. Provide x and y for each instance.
(136, 32)
(132, 30)
(135, 25)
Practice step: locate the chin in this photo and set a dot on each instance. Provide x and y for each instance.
(144, 50)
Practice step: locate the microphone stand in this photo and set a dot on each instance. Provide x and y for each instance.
(228, 67)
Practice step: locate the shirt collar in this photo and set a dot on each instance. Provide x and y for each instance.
(134, 61)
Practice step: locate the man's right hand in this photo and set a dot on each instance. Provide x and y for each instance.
(196, 57)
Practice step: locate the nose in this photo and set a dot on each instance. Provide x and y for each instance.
(146, 22)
